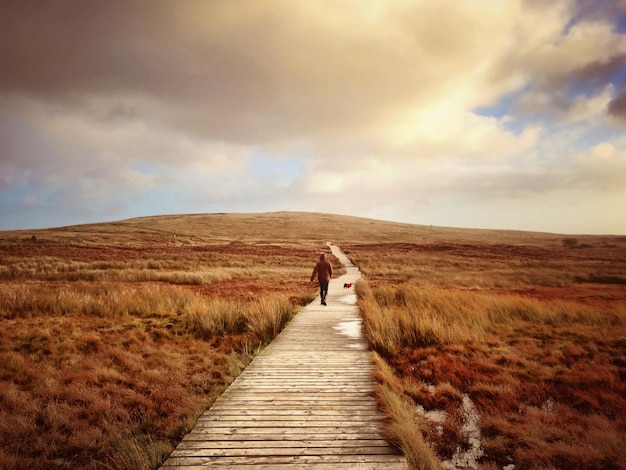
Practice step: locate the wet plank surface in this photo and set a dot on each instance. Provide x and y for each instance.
(304, 403)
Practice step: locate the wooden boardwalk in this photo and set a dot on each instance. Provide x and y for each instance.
(305, 402)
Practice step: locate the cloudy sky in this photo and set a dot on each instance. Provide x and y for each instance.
(477, 113)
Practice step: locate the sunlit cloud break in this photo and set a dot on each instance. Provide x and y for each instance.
(484, 113)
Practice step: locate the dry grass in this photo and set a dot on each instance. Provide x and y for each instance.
(410, 317)
(404, 427)
(82, 392)
(114, 340)
(88, 387)
(487, 266)
(542, 362)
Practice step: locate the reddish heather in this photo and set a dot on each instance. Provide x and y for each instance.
(549, 396)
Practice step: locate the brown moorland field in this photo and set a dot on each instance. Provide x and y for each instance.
(504, 347)
(512, 350)
(115, 337)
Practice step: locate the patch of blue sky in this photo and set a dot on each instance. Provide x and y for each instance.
(610, 8)
(598, 135)
(148, 168)
(620, 24)
(498, 110)
(264, 166)
(24, 196)
(565, 142)
(504, 108)
(570, 24)
(13, 193)
(504, 105)
(24, 206)
(618, 78)
(157, 203)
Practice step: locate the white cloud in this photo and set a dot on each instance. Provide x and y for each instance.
(592, 108)
(448, 129)
(602, 168)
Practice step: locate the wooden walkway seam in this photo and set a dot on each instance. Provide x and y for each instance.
(305, 402)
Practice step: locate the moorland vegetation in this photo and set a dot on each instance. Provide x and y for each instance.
(530, 335)
(116, 336)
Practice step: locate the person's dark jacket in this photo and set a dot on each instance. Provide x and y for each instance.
(324, 271)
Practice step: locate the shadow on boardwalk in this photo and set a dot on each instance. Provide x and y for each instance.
(304, 402)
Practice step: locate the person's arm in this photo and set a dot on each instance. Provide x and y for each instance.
(314, 272)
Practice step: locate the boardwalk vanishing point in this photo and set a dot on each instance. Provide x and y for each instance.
(305, 402)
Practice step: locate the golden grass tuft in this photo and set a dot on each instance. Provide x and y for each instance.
(404, 426)
(263, 318)
(411, 316)
(268, 316)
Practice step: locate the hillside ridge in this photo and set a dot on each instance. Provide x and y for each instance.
(286, 227)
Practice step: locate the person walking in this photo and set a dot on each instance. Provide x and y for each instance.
(324, 271)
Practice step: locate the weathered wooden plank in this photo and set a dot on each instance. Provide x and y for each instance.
(287, 411)
(311, 429)
(299, 379)
(280, 423)
(288, 418)
(312, 377)
(282, 452)
(275, 391)
(334, 380)
(302, 435)
(300, 466)
(296, 385)
(346, 403)
(279, 459)
(257, 395)
(248, 444)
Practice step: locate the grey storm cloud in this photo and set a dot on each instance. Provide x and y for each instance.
(250, 71)
(617, 107)
(269, 71)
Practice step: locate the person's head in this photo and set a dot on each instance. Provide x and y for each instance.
(323, 257)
